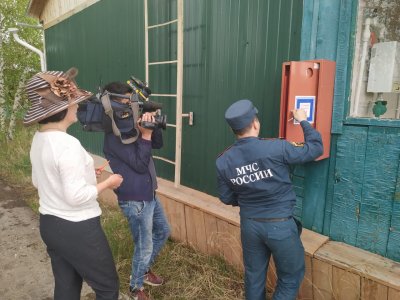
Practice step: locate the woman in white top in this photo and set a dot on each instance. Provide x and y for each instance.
(64, 174)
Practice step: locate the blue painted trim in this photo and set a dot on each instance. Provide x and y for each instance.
(319, 41)
(314, 28)
(344, 62)
(352, 49)
(392, 249)
(328, 24)
(372, 122)
(315, 185)
(309, 29)
(330, 187)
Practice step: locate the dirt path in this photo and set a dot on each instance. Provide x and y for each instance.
(25, 266)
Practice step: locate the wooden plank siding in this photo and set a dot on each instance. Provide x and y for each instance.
(344, 272)
(365, 208)
(345, 285)
(52, 12)
(175, 213)
(322, 280)
(306, 288)
(393, 248)
(378, 188)
(363, 263)
(272, 277)
(210, 224)
(393, 294)
(371, 290)
(349, 174)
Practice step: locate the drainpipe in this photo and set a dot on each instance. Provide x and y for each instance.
(398, 107)
(364, 39)
(30, 47)
(29, 25)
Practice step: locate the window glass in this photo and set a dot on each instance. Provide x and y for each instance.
(375, 88)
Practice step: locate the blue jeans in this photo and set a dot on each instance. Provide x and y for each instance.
(150, 231)
(260, 240)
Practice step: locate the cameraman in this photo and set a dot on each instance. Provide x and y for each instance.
(136, 196)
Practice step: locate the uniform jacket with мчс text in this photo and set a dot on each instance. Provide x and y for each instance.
(254, 173)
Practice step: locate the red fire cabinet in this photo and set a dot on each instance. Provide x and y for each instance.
(309, 85)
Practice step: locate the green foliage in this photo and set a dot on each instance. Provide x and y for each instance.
(16, 57)
(14, 163)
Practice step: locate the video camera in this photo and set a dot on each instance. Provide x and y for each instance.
(142, 91)
(106, 112)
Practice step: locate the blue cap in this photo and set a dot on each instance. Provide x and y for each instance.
(240, 114)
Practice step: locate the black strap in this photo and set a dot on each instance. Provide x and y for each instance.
(105, 100)
(270, 219)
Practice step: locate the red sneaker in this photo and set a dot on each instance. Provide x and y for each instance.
(138, 294)
(152, 279)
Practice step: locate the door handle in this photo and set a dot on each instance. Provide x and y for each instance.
(190, 116)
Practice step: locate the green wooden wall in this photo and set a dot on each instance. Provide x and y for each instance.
(232, 50)
(365, 204)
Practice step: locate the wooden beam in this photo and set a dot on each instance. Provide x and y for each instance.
(190, 227)
(373, 290)
(224, 246)
(361, 262)
(199, 200)
(210, 225)
(306, 288)
(393, 294)
(195, 228)
(271, 275)
(236, 246)
(322, 280)
(346, 285)
(49, 23)
(176, 215)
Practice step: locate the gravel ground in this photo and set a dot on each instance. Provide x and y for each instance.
(25, 266)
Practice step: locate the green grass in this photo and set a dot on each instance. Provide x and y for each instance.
(189, 274)
(15, 166)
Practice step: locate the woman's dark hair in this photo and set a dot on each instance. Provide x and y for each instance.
(55, 118)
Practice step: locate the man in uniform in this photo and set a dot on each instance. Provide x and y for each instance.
(254, 174)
